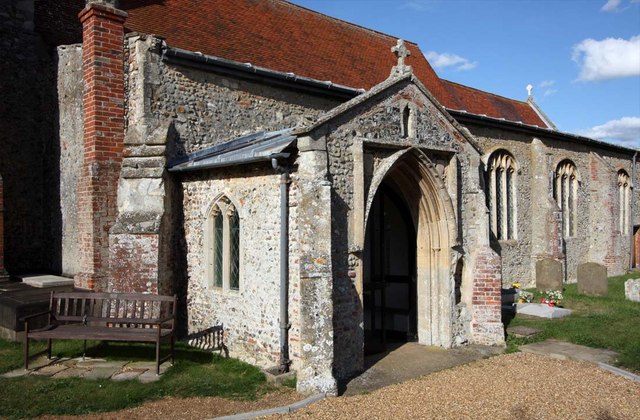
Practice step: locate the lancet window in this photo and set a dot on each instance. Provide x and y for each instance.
(565, 192)
(502, 170)
(222, 243)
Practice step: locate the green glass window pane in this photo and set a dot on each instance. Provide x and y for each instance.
(218, 248)
(234, 258)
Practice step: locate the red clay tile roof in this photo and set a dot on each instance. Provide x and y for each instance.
(464, 98)
(281, 36)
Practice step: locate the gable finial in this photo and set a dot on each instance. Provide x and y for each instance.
(402, 52)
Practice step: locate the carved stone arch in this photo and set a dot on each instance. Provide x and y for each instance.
(223, 196)
(565, 160)
(493, 151)
(414, 177)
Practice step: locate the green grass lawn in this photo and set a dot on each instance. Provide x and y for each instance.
(610, 322)
(195, 373)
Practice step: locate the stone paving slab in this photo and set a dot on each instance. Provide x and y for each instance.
(72, 372)
(99, 363)
(50, 370)
(522, 331)
(15, 373)
(568, 351)
(541, 310)
(126, 376)
(101, 373)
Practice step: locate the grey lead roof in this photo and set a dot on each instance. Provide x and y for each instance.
(260, 146)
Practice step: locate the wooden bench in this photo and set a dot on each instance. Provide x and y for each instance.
(106, 317)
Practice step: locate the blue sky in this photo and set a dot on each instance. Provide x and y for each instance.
(582, 57)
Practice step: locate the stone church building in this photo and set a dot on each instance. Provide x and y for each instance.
(310, 184)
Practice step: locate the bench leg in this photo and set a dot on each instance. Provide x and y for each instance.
(26, 352)
(158, 357)
(49, 349)
(84, 349)
(173, 342)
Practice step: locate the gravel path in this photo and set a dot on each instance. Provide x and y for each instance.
(512, 386)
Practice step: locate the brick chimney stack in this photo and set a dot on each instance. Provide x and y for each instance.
(103, 102)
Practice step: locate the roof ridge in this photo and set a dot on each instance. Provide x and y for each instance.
(392, 37)
(483, 91)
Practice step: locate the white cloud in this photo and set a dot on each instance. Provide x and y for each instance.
(440, 61)
(550, 92)
(611, 6)
(607, 59)
(614, 6)
(625, 132)
(546, 83)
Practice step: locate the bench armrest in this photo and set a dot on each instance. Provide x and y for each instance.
(28, 317)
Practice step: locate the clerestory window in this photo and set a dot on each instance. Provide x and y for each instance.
(501, 176)
(624, 191)
(222, 244)
(565, 192)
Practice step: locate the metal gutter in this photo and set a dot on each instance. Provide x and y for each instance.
(179, 56)
(531, 129)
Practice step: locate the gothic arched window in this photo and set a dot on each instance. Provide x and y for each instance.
(501, 176)
(565, 192)
(222, 246)
(624, 190)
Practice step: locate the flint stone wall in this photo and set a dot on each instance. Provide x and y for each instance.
(250, 315)
(210, 109)
(597, 238)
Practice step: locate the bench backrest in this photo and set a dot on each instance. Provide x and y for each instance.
(116, 309)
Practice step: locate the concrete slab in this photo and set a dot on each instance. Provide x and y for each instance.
(411, 360)
(46, 281)
(542, 310)
(568, 351)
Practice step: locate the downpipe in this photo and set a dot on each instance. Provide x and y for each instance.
(285, 362)
(631, 211)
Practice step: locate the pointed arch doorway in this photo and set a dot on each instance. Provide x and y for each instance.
(408, 286)
(390, 272)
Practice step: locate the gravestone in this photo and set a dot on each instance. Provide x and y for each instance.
(592, 279)
(632, 290)
(548, 274)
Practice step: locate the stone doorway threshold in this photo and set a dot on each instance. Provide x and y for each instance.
(406, 361)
